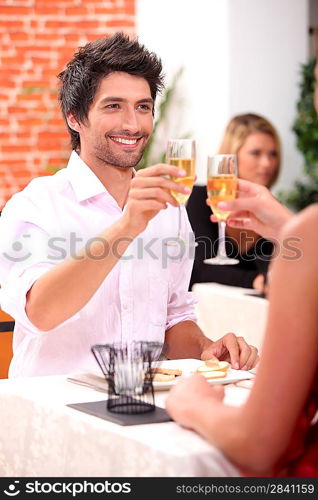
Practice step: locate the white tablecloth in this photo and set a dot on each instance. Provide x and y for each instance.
(222, 309)
(40, 436)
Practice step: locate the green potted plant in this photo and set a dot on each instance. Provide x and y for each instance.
(305, 190)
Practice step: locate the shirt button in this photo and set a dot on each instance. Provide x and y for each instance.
(125, 306)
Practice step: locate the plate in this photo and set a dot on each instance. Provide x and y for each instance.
(189, 366)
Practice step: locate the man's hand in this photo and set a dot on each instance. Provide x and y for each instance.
(150, 192)
(255, 209)
(233, 349)
(259, 283)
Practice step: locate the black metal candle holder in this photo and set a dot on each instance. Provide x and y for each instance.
(127, 369)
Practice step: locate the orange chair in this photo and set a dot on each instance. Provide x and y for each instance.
(6, 333)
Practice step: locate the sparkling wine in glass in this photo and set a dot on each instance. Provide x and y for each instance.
(181, 154)
(221, 186)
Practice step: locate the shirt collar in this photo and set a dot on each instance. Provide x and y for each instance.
(84, 182)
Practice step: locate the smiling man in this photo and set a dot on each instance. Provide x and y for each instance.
(93, 266)
(120, 122)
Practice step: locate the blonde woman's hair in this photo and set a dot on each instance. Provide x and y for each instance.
(240, 127)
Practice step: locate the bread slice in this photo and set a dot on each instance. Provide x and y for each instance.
(222, 366)
(163, 377)
(219, 365)
(212, 363)
(166, 371)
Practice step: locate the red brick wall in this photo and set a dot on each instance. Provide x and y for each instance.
(37, 38)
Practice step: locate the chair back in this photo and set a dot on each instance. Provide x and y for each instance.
(6, 334)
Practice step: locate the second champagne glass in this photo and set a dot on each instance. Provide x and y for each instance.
(221, 186)
(181, 153)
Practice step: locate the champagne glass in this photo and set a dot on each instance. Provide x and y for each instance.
(221, 186)
(181, 154)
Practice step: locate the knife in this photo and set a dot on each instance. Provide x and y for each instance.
(87, 384)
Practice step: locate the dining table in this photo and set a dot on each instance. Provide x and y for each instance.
(41, 436)
(221, 309)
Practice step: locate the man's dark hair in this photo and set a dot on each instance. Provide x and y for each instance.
(81, 78)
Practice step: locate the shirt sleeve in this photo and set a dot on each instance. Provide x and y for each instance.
(24, 257)
(182, 302)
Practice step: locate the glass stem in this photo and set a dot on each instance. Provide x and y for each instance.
(179, 222)
(221, 247)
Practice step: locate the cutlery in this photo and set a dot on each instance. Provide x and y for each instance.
(87, 384)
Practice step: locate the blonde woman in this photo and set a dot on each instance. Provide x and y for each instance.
(257, 145)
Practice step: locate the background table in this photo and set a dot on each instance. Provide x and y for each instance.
(40, 436)
(221, 309)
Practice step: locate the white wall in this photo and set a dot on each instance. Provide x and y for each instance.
(268, 41)
(187, 33)
(239, 55)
